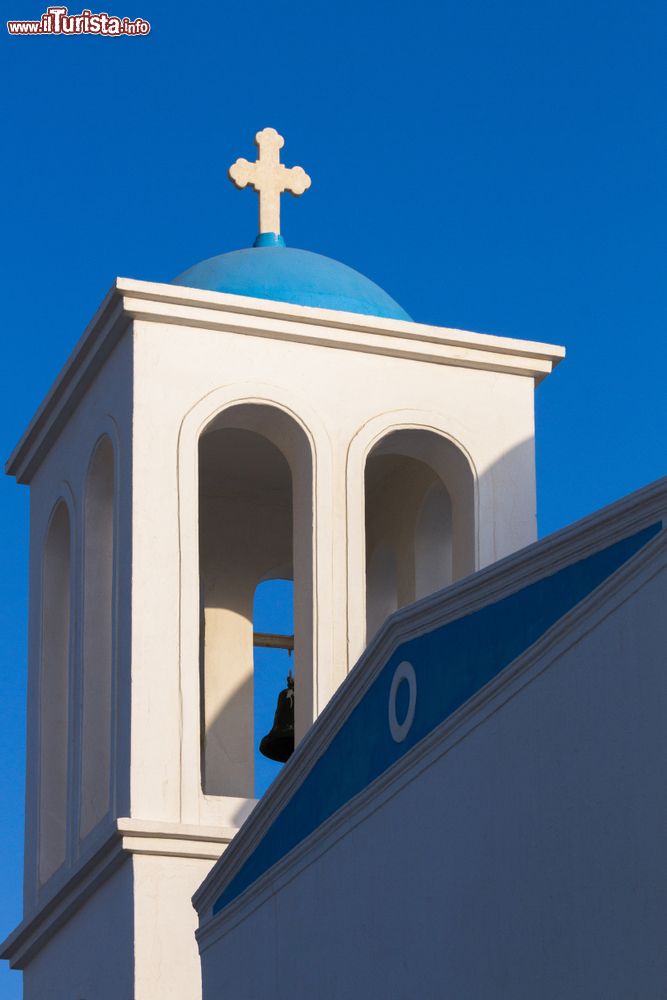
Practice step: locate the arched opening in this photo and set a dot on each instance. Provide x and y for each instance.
(98, 583)
(420, 520)
(54, 693)
(255, 524)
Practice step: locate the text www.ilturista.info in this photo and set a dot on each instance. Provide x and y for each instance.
(58, 21)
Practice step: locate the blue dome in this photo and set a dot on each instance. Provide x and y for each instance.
(289, 275)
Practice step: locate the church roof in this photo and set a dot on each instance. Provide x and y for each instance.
(452, 648)
(285, 274)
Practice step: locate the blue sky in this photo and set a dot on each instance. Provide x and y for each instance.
(498, 167)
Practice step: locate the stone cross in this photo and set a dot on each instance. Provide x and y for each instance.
(270, 178)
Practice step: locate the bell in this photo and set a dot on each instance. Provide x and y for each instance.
(279, 743)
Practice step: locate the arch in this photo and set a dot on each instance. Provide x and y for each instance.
(419, 491)
(195, 804)
(255, 522)
(54, 691)
(98, 636)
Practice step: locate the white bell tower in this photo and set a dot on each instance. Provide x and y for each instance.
(271, 414)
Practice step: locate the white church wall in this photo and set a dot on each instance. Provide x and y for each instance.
(91, 956)
(166, 961)
(155, 367)
(105, 410)
(520, 860)
(516, 850)
(347, 400)
(131, 939)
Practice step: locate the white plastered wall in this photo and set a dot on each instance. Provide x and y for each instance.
(161, 386)
(345, 402)
(132, 939)
(92, 956)
(106, 410)
(166, 961)
(536, 866)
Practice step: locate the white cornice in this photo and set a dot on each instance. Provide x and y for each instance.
(130, 300)
(125, 838)
(516, 571)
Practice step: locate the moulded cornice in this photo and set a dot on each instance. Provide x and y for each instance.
(126, 838)
(130, 300)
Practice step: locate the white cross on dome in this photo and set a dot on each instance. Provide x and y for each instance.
(270, 178)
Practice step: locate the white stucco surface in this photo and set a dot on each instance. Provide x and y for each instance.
(158, 366)
(522, 856)
(124, 940)
(91, 957)
(166, 967)
(104, 412)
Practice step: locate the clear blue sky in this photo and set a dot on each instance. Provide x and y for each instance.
(495, 166)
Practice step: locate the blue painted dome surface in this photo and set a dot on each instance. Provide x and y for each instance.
(286, 274)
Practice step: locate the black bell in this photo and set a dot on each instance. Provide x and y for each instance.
(279, 743)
